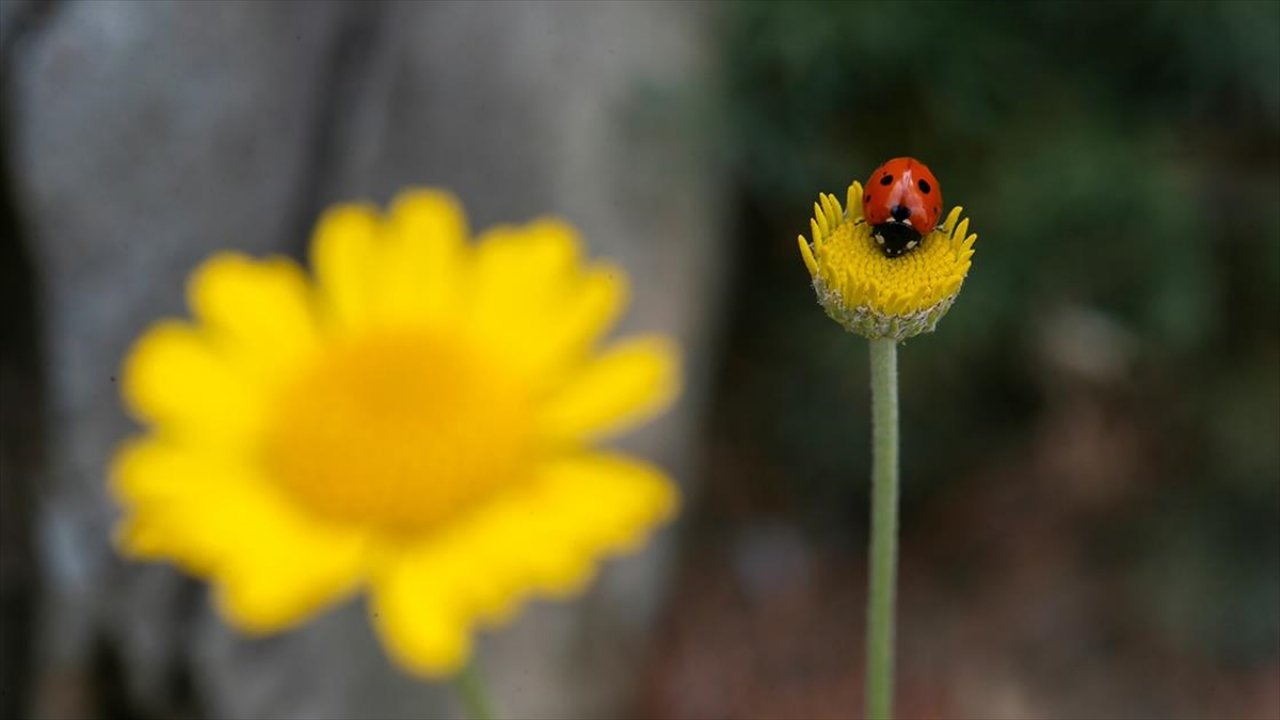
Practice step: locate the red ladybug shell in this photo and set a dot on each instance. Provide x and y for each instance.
(898, 186)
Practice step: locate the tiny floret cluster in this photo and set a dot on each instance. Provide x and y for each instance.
(876, 295)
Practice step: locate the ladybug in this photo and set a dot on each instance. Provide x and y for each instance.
(902, 202)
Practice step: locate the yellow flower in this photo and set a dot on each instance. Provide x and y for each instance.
(417, 422)
(878, 296)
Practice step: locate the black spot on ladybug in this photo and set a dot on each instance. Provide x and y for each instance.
(924, 186)
(886, 179)
(867, 197)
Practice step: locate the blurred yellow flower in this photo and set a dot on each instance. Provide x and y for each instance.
(878, 296)
(418, 422)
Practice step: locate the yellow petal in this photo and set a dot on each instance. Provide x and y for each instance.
(493, 292)
(820, 218)
(522, 278)
(962, 229)
(530, 291)
(419, 280)
(592, 305)
(593, 505)
(626, 385)
(259, 314)
(853, 200)
(344, 255)
(949, 225)
(414, 610)
(835, 213)
(807, 255)
(273, 564)
(544, 538)
(551, 251)
(173, 378)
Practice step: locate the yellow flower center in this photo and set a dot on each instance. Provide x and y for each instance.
(399, 431)
(848, 263)
(917, 280)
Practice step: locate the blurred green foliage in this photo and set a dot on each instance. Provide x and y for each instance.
(1126, 145)
(1122, 159)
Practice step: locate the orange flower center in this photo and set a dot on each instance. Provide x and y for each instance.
(400, 431)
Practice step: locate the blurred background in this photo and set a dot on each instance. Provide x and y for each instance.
(1091, 458)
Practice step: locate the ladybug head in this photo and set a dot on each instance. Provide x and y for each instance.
(895, 238)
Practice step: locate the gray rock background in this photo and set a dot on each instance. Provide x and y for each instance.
(140, 137)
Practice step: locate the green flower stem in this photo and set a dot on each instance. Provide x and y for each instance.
(474, 694)
(884, 528)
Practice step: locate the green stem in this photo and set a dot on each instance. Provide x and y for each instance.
(473, 693)
(884, 528)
